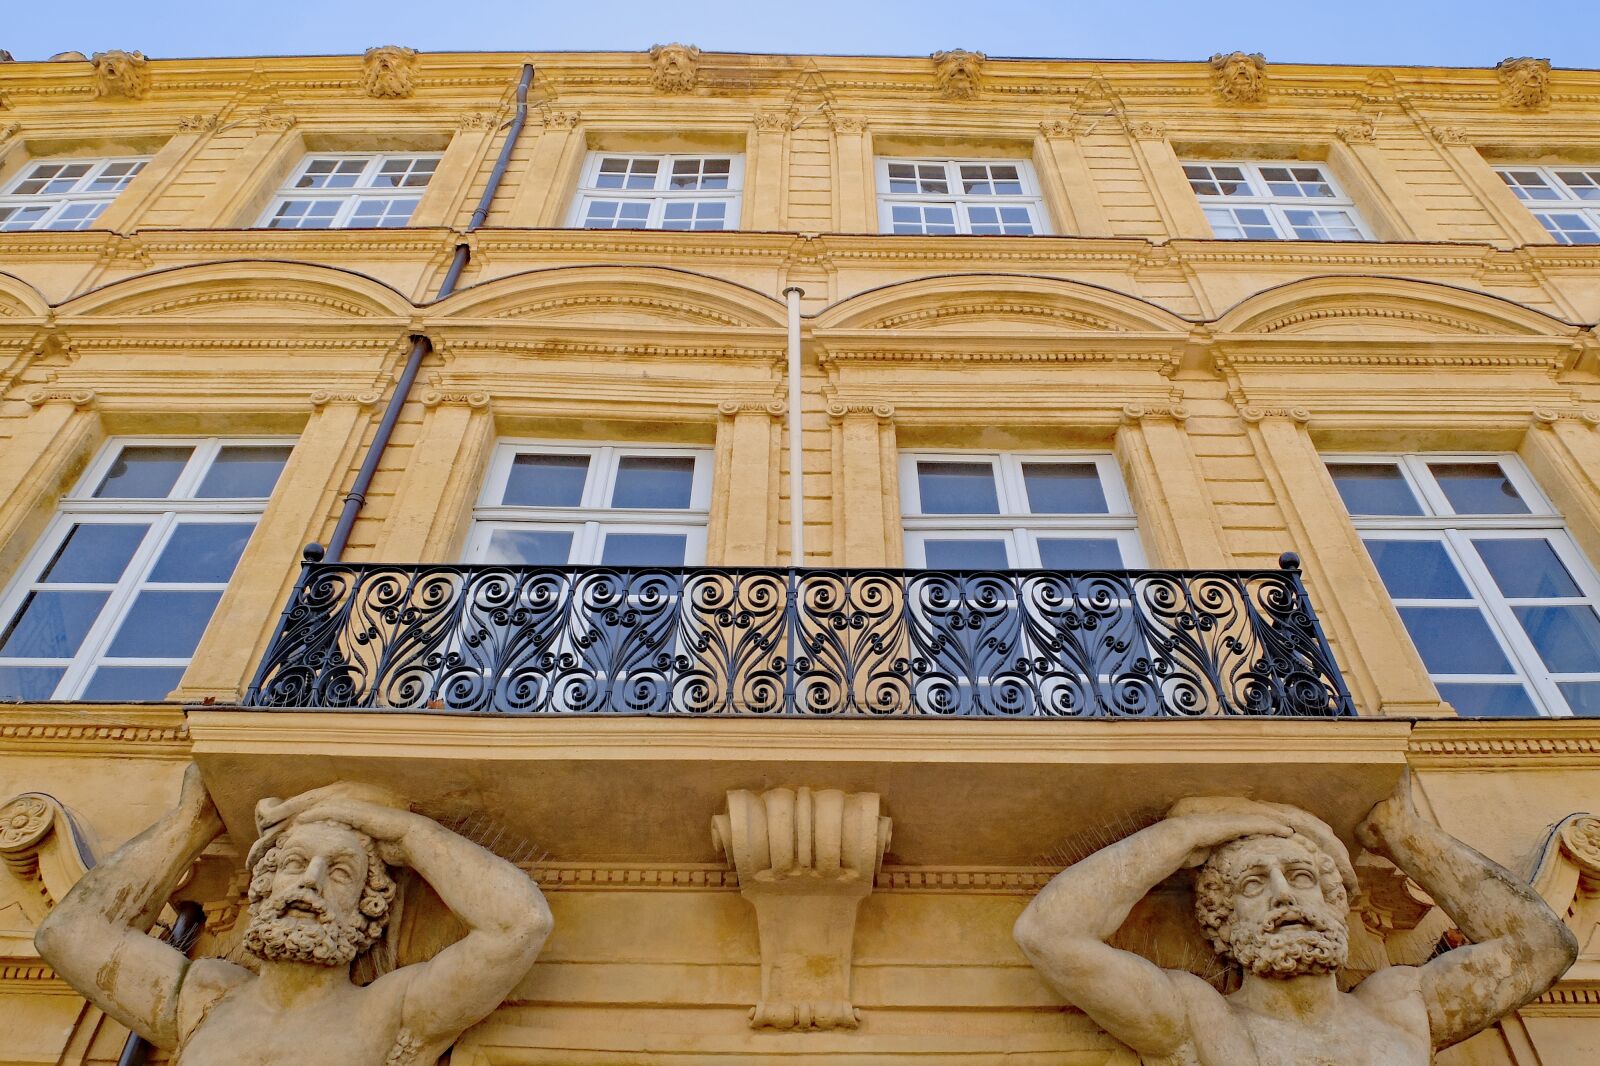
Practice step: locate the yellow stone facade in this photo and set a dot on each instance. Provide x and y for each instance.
(1219, 374)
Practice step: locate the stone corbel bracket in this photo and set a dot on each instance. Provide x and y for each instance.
(44, 855)
(1568, 878)
(806, 859)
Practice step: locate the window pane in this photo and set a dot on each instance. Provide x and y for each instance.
(1526, 567)
(957, 488)
(244, 471)
(1477, 488)
(1567, 638)
(29, 682)
(1454, 640)
(1067, 553)
(1488, 700)
(202, 552)
(1417, 570)
(1064, 488)
(546, 480)
(164, 624)
(644, 549)
(51, 624)
(1374, 488)
(143, 472)
(966, 554)
(653, 481)
(133, 682)
(94, 553)
(1582, 696)
(529, 547)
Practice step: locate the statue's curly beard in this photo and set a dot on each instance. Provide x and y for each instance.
(1320, 945)
(321, 938)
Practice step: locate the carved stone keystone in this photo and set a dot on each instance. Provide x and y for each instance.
(806, 859)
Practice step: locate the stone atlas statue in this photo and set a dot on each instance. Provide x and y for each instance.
(1273, 894)
(320, 893)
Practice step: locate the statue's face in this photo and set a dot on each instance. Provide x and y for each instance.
(1282, 922)
(310, 911)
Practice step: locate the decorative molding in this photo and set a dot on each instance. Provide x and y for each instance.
(998, 308)
(1472, 750)
(270, 121)
(1567, 877)
(111, 733)
(42, 850)
(455, 397)
(838, 410)
(120, 75)
(806, 859)
(734, 408)
(848, 124)
(773, 121)
(52, 394)
(389, 71)
(476, 120)
(9, 130)
(198, 123)
(674, 68)
(326, 398)
(1055, 127)
(1363, 132)
(1137, 412)
(562, 120)
(1450, 135)
(1524, 82)
(1239, 78)
(1254, 415)
(1144, 129)
(1401, 314)
(959, 73)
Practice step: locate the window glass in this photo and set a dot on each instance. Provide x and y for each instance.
(652, 481)
(94, 554)
(1477, 488)
(1069, 553)
(144, 472)
(1374, 489)
(529, 547)
(966, 554)
(957, 488)
(1526, 567)
(1417, 569)
(244, 472)
(1064, 488)
(644, 549)
(546, 480)
(203, 552)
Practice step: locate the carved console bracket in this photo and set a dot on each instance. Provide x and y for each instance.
(806, 859)
(44, 855)
(1568, 877)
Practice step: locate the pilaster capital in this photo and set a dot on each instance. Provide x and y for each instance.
(1548, 417)
(1134, 413)
(328, 397)
(562, 120)
(268, 120)
(80, 398)
(851, 124)
(838, 410)
(735, 408)
(1450, 135)
(476, 120)
(773, 121)
(1255, 415)
(199, 123)
(455, 397)
(1145, 129)
(1362, 132)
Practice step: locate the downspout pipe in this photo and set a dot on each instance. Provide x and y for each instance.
(356, 498)
(185, 931)
(797, 529)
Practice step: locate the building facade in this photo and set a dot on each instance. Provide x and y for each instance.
(615, 575)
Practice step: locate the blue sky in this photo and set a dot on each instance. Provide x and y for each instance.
(1409, 32)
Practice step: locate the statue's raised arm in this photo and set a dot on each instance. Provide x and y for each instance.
(321, 888)
(1519, 948)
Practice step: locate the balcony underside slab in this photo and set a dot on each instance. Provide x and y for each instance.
(960, 792)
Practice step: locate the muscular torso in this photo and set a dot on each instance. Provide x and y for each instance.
(226, 1022)
(1380, 1024)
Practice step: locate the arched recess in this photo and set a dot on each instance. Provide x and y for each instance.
(243, 289)
(19, 300)
(616, 296)
(1375, 307)
(1007, 302)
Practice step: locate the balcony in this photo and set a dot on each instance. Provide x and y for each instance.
(508, 640)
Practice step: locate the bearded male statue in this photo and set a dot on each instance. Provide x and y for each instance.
(1273, 895)
(320, 893)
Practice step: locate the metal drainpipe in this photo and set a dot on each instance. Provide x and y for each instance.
(185, 931)
(797, 529)
(420, 347)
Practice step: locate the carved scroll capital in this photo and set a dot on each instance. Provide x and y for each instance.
(1551, 416)
(735, 408)
(459, 397)
(42, 850)
(806, 859)
(838, 410)
(51, 394)
(1139, 412)
(1254, 415)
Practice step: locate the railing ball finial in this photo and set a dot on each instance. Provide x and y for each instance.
(314, 552)
(1289, 561)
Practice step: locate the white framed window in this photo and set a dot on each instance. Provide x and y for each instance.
(937, 196)
(1565, 200)
(114, 599)
(65, 194)
(1501, 604)
(548, 504)
(1274, 202)
(655, 191)
(1011, 510)
(352, 190)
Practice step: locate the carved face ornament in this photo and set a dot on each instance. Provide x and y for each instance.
(121, 74)
(958, 73)
(1276, 906)
(674, 67)
(386, 70)
(1240, 78)
(319, 894)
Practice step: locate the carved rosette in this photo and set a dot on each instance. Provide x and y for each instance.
(40, 848)
(1524, 82)
(389, 71)
(1240, 78)
(959, 73)
(120, 75)
(1580, 839)
(674, 68)
(806, 859)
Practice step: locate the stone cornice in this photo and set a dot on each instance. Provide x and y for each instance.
(94, 730)
(1467, 743)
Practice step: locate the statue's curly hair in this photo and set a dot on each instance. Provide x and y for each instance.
(377, 893)
(1213, 888)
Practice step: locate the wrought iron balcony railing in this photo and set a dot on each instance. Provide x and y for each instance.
(712, 640)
